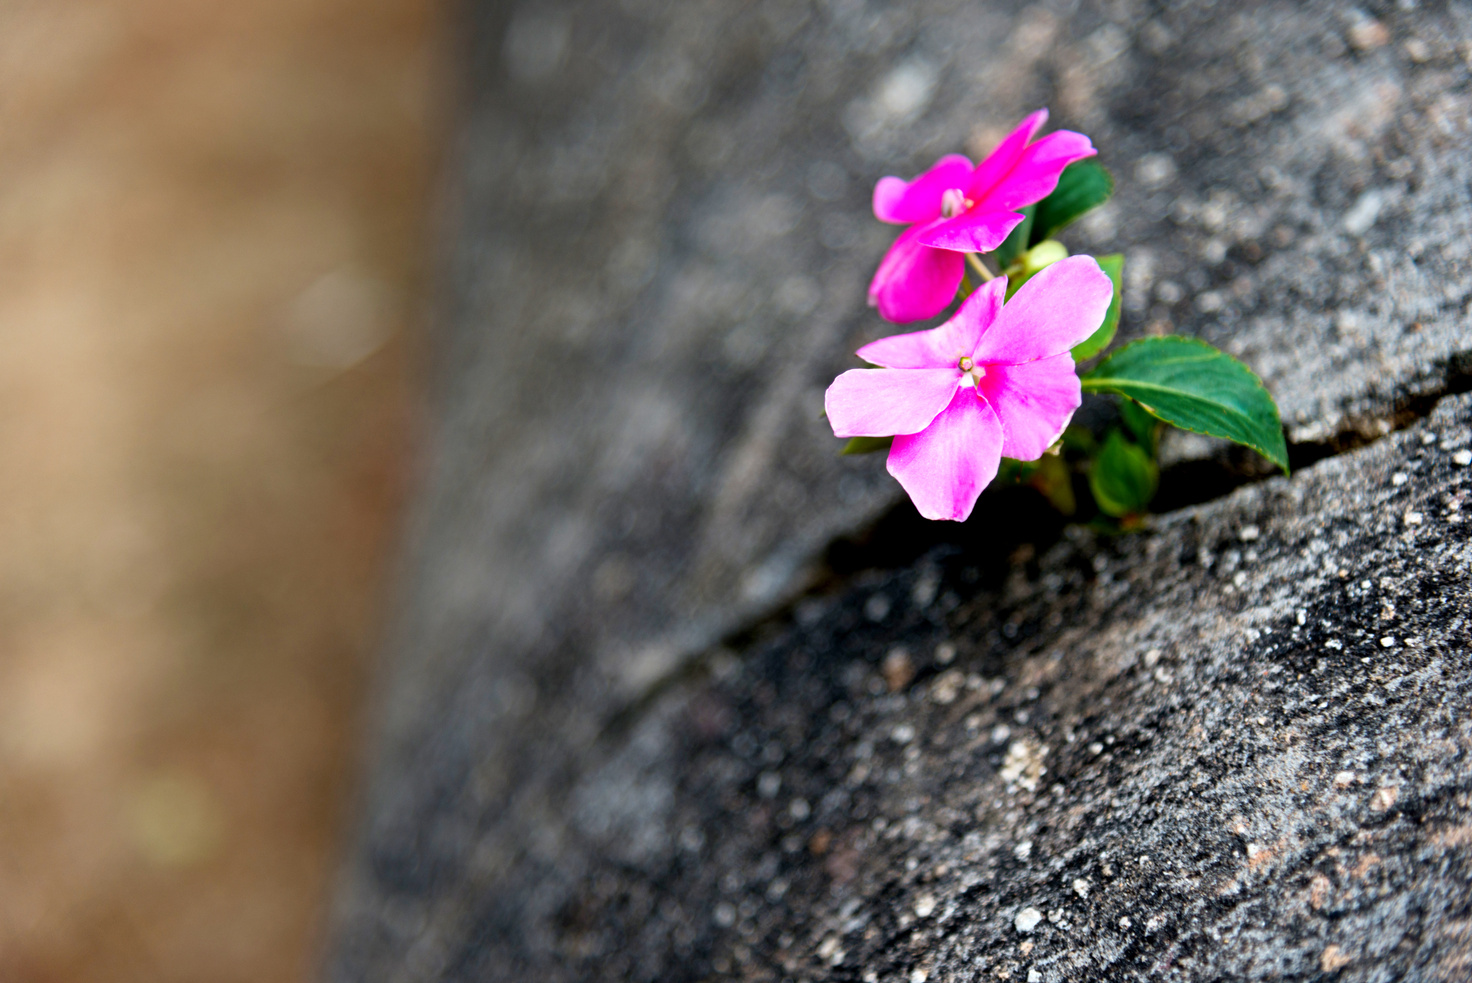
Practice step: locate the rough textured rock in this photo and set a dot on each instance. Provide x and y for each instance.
(1221, 748)
(661, 253)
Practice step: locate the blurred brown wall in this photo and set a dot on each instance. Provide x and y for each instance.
(212, 239)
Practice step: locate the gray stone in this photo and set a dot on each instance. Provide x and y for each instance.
(1210, 750)
(660, 251)
(1213, 749)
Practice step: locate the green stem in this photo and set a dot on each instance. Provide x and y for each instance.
(980, 267)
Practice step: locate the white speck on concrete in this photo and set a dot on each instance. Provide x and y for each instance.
(1023, 765)
(1155, 170)
(1027, 919)
(1081, 887)
(947, 687)
(906, 89)
(896, 98)
(1362, 215)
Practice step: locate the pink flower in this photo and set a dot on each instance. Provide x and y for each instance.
(953, 209)
(994, 381)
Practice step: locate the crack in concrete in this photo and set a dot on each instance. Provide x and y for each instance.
(900, 537)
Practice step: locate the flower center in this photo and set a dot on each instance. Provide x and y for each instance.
(968, 366)
(953, 203)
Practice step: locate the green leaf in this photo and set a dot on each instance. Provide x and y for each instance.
(866, 445)
(1191, 385)
(1123, 478)
(1139, 423)
(1055, 481)
(1011, 471)
(1016, 243)
(1083, 185)
(1080, 440)
(1095, 343)
(1015, 280)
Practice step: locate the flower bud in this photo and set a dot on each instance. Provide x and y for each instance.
(1045, 253)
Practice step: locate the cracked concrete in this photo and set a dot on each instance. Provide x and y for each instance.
(660, 258)
(1211, 750)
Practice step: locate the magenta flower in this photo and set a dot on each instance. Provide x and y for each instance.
(954, 208)
(994, 381)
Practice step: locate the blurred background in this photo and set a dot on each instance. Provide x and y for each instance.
(213, 242)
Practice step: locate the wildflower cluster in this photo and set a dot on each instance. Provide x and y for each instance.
(994, 388)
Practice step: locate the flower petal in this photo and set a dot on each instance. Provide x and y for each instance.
(999, 162)
(914, 281)
(1055, 310)
(907, 202)
(885, 402)
(945, 466)
(976, 230)
(1036, 172)
(1034, 402)
(943, 345)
